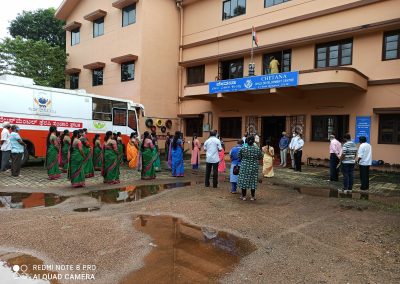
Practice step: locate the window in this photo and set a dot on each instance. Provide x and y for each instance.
(231, 69)
(97, 78)
(233, 8)
(194, 125)
(74, 81)
(129, 15)
(101, 109)
(391, 46)
(195, 75)
(75, 36)
(127, 71)
(98, 27)
(230, 127)
(389, 129)
(334, 54)
(284, 58)
(269, 3)
(119, 117)
(132, 122)
(324, 125)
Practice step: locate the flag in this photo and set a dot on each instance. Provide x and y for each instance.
(255, 38)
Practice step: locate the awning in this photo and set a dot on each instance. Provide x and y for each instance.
(387, 110)
(94, 65)
(120, 4)
(124, 58)
(95, 15)
(71, 71)
(72, 26)
(193, 115)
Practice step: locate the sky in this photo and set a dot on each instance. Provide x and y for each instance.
(13, 8)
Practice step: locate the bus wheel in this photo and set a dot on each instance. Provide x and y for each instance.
(25, 157)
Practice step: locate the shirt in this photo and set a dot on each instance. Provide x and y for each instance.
(349, 151)
(212, 146)
(365, 153)
(15, 146)
(335, 147)
(283, 143)
(298, 144)
(293, 142)
(5, 136)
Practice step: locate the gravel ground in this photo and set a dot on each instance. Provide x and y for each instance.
(300, 238)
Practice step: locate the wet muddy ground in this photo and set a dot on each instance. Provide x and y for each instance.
(288, 235)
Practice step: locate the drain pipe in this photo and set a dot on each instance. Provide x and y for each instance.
(179, 4)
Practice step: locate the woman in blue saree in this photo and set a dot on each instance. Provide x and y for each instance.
(177, 155)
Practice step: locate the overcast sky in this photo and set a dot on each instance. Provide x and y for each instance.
(10, 10)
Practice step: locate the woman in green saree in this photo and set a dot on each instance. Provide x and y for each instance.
(87, 161)
(53, 148)
(110, 170)
(65, 145)
(97, 153)
(76, 173)
(148, 157)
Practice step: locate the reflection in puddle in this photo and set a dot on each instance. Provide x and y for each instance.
(87, 209)
(19, 268)
(185, 253)
(133, 193)
(21, 200)
(326, 192)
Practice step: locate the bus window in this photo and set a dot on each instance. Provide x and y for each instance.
(132, 123)
(116, 104)
(119, 117)
(101, 109)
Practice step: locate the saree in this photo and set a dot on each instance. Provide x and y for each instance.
(120, 152)
(110, 170)
(53, 169)
(221, 164)
(148, 160)
(65, 154)
(170, 156)
(97, 156)
(132, 154)
(76, 173)
(177, 160)
(195, 159)
(268, 170)
(88, 168)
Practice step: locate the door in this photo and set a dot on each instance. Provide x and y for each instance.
(272, 128)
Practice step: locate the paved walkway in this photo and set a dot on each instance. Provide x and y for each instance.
(35, 176)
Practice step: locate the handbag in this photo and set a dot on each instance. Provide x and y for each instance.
(236, 170)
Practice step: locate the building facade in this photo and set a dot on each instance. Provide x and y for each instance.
(346, 53)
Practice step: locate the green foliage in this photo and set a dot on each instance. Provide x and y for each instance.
(39, 25)
(33, 59)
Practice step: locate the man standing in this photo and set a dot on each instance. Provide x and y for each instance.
(291, 149)
(283, 146)
(298, 152)
(335, 151)
(364, 160)
(273, 65)
(212, 146)
(5, 146)
(17, 150)
(348, 159)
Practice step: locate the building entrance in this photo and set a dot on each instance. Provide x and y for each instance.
(272, 127)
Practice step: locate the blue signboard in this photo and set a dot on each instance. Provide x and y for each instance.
(363, 128)
(279, 80)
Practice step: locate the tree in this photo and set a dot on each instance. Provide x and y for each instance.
(39, 25)
(38, 60)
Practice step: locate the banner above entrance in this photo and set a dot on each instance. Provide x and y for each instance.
(279, 80)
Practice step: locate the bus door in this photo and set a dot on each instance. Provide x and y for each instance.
(120, 120)
(132, 121)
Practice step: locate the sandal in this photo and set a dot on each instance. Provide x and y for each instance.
(252, 199)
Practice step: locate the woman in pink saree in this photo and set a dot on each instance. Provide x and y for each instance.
(195, 160)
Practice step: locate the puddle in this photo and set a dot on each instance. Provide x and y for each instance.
(24, 200)
(20, 268)
(185, 253)
(133, 193)
(87, 209)
(333, 193)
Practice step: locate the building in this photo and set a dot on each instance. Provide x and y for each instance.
(346, 53)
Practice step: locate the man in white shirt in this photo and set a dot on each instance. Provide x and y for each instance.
(364, 161)
(291, 148)
(5, 146)
(212, 146)
(298, 152)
